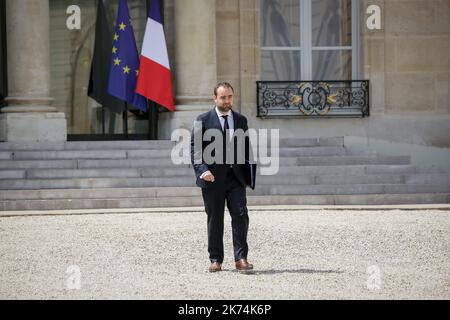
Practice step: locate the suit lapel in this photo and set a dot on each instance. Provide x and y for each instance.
(235, 120)
(214, 120)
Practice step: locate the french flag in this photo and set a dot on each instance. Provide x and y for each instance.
(154, 81)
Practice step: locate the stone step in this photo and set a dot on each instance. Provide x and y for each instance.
(350, 189)
(108, 173)
(63, 204)
(131, 174)
(87, 164)
(156, 144)
(416, 188)
(146, 154)
(81, 183)
(288, 173)
(160, 153)
(196, 201)
(72, 154)
(114, 173)
(175, 192)
(119, 162)
(317, 151)
(119, 145)
(351, 160)
(286, 176)
(87, 145)
(359, 179)
(147, 172)
(129, 163)
(12, 174)
(186, 176)
(402, 169)
(428, 179)
(325, 174)
(157, 166)
(6, 155)
(87, 154)
(280, 152)
(369, 169)
(358, 199)
(36, 164)
(14, 146)
(82, 173)
(277, 184)
(164, 177)
(312, 142)
(98, 193)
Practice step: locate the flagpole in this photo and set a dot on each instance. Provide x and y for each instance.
(152, 106)
(125, 120)
(149, 136)
(103, 119)
(153, 114)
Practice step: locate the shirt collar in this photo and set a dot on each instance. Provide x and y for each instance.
(223, 114)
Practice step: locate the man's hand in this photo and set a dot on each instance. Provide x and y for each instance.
(207, 176)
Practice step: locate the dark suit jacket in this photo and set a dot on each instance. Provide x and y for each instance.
(210, 120)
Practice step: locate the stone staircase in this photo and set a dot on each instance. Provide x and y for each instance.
(140, 174)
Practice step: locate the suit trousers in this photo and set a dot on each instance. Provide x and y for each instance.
(214, 199)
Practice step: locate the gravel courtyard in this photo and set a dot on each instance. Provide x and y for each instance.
(297, 253)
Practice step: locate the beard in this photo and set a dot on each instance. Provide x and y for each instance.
(225, 108)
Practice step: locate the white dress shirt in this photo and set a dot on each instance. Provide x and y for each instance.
(230, 121)
(222, 123)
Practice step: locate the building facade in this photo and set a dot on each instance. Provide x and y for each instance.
(402, 47)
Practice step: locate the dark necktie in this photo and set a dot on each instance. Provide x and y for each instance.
(226, 126)
(226, 130)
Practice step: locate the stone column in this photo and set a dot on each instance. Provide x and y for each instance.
(29, 116)
(194, 66)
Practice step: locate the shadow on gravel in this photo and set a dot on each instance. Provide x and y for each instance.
(263, 272)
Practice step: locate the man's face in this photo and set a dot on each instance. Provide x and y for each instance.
(224, 99)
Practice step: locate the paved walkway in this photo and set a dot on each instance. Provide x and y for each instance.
(298, 253)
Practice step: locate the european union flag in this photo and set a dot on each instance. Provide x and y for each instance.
(125, 61)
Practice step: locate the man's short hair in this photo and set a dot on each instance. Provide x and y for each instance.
(222, 84)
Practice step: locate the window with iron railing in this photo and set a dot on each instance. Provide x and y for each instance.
(315, 44)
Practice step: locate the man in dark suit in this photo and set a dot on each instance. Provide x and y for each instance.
(223, 181)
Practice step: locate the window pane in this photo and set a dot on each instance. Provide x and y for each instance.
(280, 65)
(280, 23)
(332, 65)
(331, 23)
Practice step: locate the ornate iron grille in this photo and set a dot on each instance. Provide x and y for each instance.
(313, 98)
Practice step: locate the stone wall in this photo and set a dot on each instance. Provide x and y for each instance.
(407, 63)
(237, 50)
(407, 60)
